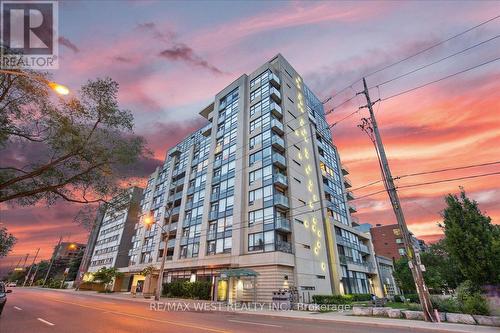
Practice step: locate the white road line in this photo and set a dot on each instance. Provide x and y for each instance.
(45, 322)
(17, 308)
(253, 323)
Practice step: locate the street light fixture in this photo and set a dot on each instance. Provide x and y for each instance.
(58, 88)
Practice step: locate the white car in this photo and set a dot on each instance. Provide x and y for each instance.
(12, 284)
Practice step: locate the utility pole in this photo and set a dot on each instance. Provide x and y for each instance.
(52, 261)
(31, 267)
(414, 259)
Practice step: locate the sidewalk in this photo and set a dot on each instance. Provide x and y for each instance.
(339, 317)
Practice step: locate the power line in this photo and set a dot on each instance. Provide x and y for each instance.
(435, 62)
(429, 172)
(411, 56)
(440, 79)
(432, 46)
(451, 179)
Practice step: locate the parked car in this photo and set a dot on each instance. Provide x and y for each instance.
(12, 284)
(3, 296)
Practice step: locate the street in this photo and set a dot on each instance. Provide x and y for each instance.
(45, 310)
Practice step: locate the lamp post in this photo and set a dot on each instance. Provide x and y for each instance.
(58, 88)
(148, 220)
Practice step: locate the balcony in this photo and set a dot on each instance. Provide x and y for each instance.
(276, 110)
(281, 201)
(283, 224)
(190, 190)
(217, 163)
(184, 240)
(279, 160)
(352, 208)
(170, 243)
(363, 248)
(347, 182)
(284, 246)
(278, 143)
(207, 130)
(350, 195)
(280, 180)
(188, 205)
(175, 211)
(274, 80)
(277, 126)
(175, 151)
(219, 134)
(211, 235)
(275, 95)
(345, 170)
(213, 216)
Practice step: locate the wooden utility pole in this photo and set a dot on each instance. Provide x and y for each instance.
(413, 258)
(31, 267)
(52, 261)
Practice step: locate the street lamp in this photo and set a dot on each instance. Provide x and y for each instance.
(58, 88)
(149, 221)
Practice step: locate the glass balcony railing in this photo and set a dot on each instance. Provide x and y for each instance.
(280, 200)
(275, 80)
(279, 160)
(283, 224)
(280, 180)
(275, 95)
(277, 126)
(278, 143)
(213, 216)
(276, 110)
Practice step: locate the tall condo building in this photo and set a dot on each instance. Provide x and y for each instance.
(257, 200)
(111, 236)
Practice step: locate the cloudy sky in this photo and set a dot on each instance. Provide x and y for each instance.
(172, 58)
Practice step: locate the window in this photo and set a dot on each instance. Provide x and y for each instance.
(264, 173)
(399, 240)
(260, 155)
(256, 242)
(261, 215)
(265, 192)
(402, 252)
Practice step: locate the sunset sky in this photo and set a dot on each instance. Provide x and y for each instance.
(171, 58)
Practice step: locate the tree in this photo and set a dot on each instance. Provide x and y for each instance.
(72, 149)
(7, 242)
(441, 271)
(106, 275)
(471, 240)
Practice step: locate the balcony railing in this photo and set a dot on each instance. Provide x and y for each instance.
(274, 80)
(278, 143)
(276, 110)
(350, 195)
(277, 126)
(275, 95)
(284, 246)
(352, 208)
(283, 224)
(345, 170)
(279, 160)
(347, 182)
(281, 201)
(280, 180)
(213, 216)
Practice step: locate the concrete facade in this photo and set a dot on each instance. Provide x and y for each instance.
(260, 187)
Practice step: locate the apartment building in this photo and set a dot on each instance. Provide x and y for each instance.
(257, 200)
(111, 237)
(388, 241)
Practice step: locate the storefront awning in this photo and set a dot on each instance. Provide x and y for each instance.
(237, 272)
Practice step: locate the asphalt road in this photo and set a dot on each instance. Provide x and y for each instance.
(40, 311)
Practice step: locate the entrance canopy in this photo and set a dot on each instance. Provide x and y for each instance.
(237, 272)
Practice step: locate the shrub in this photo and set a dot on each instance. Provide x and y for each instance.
(475, 304)
(445, 305)
(331, 299)
(186, 289)
(413, 298)
(360, 297)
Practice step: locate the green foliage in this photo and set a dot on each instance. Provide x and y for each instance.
(468, 300)
(54, 284)
(445, 305)
(332, 299)
(472, 240)
(71, 149)
(106, 275)
(186, 289)
(412, 298)
(7, 242)
(147, 271)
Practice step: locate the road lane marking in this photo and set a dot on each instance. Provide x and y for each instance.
(203, 328)
(252, 323)
(17, 308)
(45, 322)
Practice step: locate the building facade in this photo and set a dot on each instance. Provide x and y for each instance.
(388, 241)
(259, 189)
(111, 236)
(386, 274)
